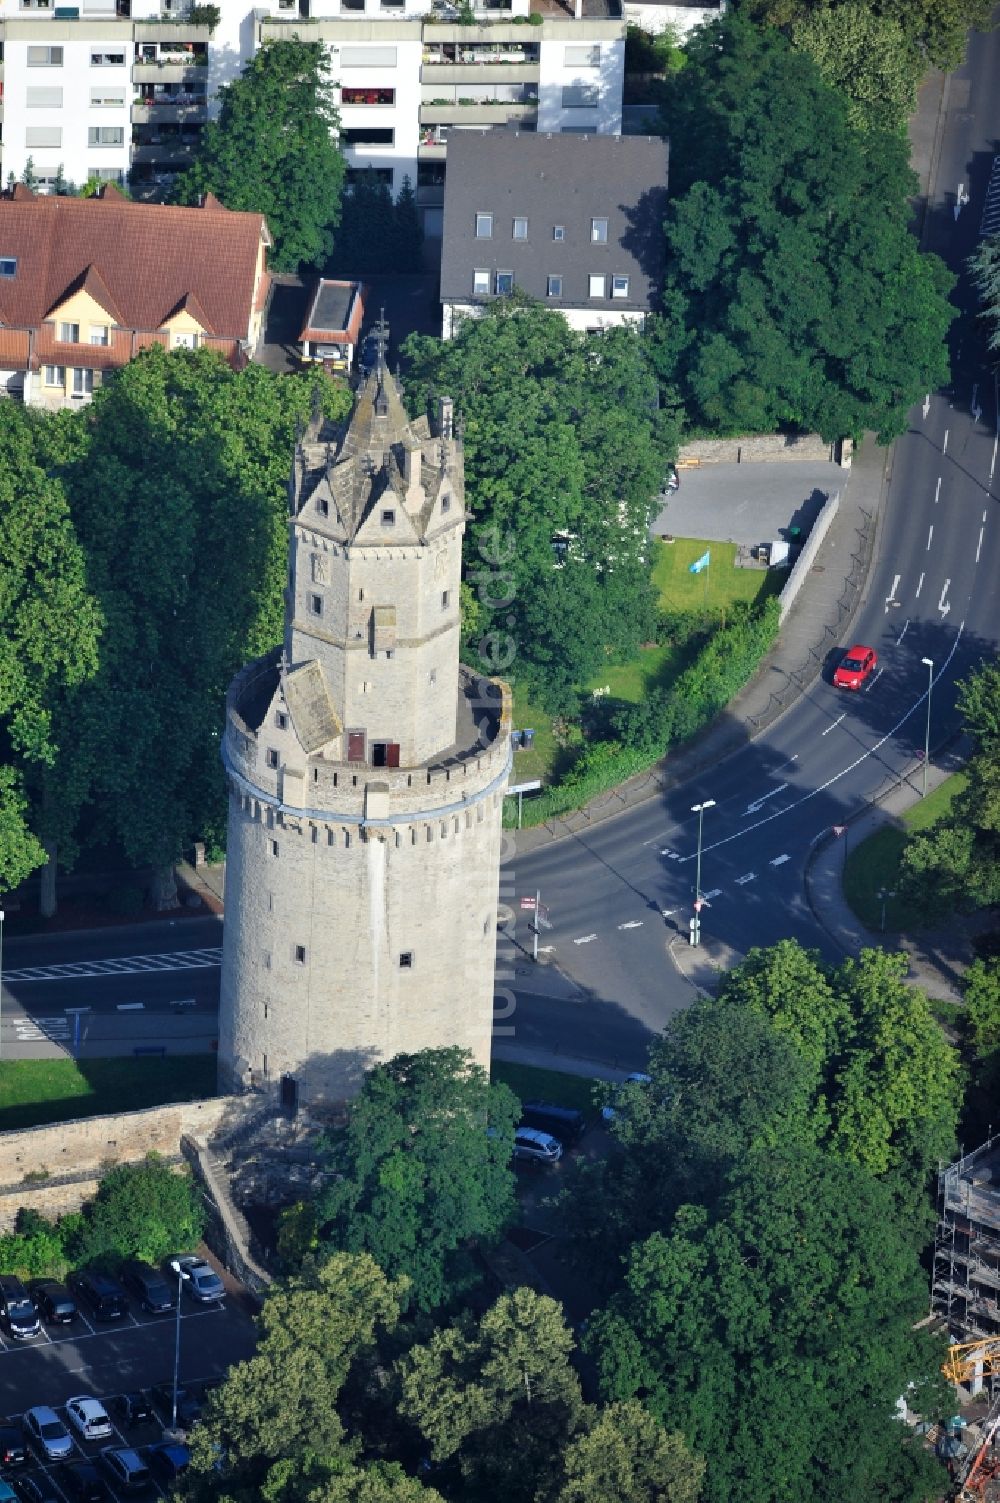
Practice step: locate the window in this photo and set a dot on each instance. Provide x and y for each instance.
(323, 507)
(559, 232)
(484, 226)
(406, 961)
(583, 57)
(101, 99)
(45, 57)
(43, 135)
(106, 135)
(368, 135)
(68, 333)
(619, 286)
(599, 231)
(100, 334)
(445, 599)
(184, 339)
(271, 757)
(480, 283)
(520, 229)
(8, 266)
(388, 517)
(55, 375)
(368, 96)
(315, 605)
(44, 98)
(580, 97)
(368, 57)
(299, 954)
(596, 285)
(83, 382)
(361, 594)
(553, 287)
(504, 283)
(35, 4)
(446, 503)
(281, 720)
(107, 59)
(274, 847)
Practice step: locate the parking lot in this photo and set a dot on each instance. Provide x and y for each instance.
(107, 1360)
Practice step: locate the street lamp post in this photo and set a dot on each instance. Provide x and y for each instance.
(929, 665)
(177, 1352)
(699, 809)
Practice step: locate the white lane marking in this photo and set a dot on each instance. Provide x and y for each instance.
(834, 726)
(979, 545)
(780, 860)
(926, 405)
(822, 787)
(746, 877)
(937, 490)
(874, 681)
(633, 924)
(944, 446)
(667, 912)
(130, 965)
(715, 892)
(755, 808)
(585, 940)
(903, 632)
(892, 593)
(993, 461)
(130, 1007)
(930, 534)
(920, 585)
(944, 605)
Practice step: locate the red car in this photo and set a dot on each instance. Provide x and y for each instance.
(857, 666)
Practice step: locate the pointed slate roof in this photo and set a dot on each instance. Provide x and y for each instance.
(310, 704)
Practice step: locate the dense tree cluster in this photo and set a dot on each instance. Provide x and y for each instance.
(377, 234)
(935, 28)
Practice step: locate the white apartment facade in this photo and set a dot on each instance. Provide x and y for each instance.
(113, 88)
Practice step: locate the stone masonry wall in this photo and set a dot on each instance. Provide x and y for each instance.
(764, 448)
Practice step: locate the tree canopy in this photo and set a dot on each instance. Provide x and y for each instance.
(867, 56)
(984, 267)
(273, 150)
(422, 1168)
(143, 1210)
(377, 234)
(565, 451)
(935, 28)
(795, 294)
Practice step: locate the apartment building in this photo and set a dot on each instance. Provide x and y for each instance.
(121, 89)
(88, 283)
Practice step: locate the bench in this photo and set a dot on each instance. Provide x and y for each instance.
(159, 1049)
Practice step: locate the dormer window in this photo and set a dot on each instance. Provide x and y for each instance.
(100, 334)
(8, 266)
(182, 339)
(281, 720)
(323, 507)
(68, 333)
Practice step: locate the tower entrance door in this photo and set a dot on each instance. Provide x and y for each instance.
(289, 1094)
(385, 753)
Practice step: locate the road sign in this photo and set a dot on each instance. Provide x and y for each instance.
(528, 903)
(531, 787)
(694, 927)
(839, 830)
(699, 904)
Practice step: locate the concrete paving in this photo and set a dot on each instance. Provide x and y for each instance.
(747, 503)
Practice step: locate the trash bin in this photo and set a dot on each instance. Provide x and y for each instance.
(527, 739)
(515, 739)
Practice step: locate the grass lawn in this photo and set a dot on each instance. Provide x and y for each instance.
(721, 584)
(531, 1084)
(874, 864)
(36, 1091)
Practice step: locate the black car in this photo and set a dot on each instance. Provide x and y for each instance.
(133, 1408)
(188, 1404)
(53, 1301)
(19, 1313)
(168, 1459)
(149, 1287)
(83, 1482)
(12, 1450)
(35, 1487)
(126, 1469)
(102, 1294)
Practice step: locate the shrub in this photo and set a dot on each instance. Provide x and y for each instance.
(143, 1210)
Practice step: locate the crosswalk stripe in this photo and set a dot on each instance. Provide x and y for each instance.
(129, 965)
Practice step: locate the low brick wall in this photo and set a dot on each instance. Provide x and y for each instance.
(765, 448)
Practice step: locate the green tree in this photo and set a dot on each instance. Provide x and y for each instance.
(50, 626)
(936, 28)
(868, 57)
(783, 1322)
(981, 988)
(984, 267)
(375, 234)
(143, 1210)
(795, 293)
(502, 1396)
(625, 1456)
(273, 150)
(423, 1168)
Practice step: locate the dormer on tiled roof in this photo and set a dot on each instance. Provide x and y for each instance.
(190, 305)
(110, 194)
(91, 282)
(21, 192)
(211, 203)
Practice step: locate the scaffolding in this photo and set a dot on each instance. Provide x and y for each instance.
(965, 1282)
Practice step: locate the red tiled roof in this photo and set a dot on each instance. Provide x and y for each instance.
(13, 349)
(148, 259)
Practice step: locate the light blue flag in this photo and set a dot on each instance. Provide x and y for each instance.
(700, 563)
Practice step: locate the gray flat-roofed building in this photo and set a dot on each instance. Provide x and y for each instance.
(575, 221)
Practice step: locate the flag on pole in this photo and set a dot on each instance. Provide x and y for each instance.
(700, 563)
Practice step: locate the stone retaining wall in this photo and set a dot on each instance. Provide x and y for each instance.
(764, 448)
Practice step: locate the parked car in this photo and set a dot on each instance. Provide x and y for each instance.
(102, 1294)
(35, 1487)
(637, 1077)
(7, 1493)
(168, 1459)
(53, 1301)
(198, 1277)
(133, 1408)
(150, 1288)
(563, 1122)
(19, 1314)
(188, 1404)
(89, 1417)
(532, 1146)
(126, 1469)
(856, 667)
(12, 1452)
(46, 1432)
(82, 1481)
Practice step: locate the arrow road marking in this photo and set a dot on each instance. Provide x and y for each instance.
(833, 727)
(780, 860)
(920, 585)
(746, 877)
(670, 855)
(944, 605)
(667, 912)
(756, 807)
(892, 593)
(634, 924)
(35, 1030)
(927, 405)
(585, 940)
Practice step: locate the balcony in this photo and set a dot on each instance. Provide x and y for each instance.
(168, 111)
(493, 112)
(165, 32)
(485, 72)
(185, 73)
(432, 197)
(431, 151)
(179, 152)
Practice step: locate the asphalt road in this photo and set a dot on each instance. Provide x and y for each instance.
(616, 897)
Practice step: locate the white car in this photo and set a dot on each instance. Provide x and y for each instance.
(198, 1277)
(637, 1077)
(89, 1417)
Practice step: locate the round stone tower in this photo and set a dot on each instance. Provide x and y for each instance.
(366, 772)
